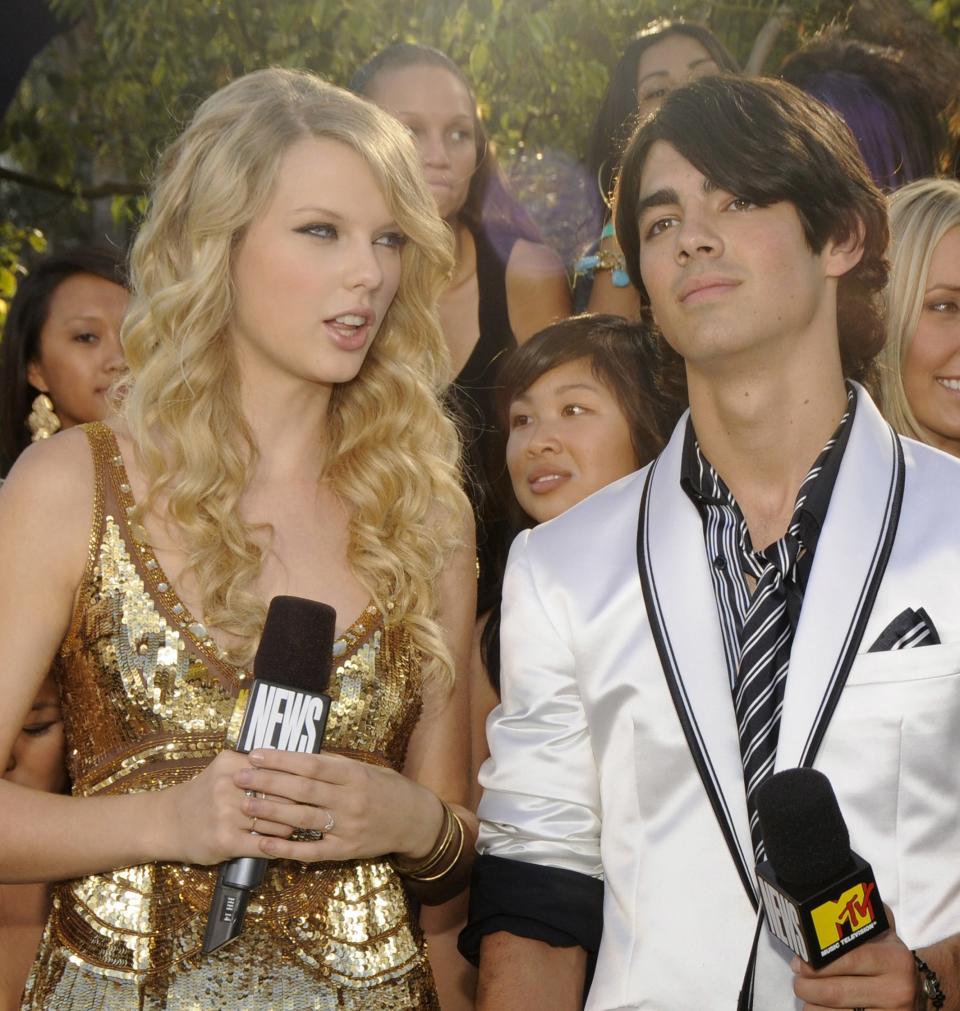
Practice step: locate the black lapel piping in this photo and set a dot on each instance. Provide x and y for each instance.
(831, 698)
(868, 595)
(681, 703)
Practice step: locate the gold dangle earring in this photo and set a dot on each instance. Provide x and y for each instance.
(42, 420)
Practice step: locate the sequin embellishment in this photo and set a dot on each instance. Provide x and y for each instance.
(147, 704)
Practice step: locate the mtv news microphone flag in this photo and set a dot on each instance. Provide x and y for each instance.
(285, 708)
(819, 897)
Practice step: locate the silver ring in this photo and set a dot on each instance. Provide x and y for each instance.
(249, 793)
(253, 826)
(330, 824)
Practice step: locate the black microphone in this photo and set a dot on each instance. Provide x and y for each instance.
(284, 708)
(820, 898)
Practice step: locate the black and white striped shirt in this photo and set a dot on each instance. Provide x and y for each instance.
(727, 540)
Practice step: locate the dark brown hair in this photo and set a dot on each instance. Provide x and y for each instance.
(623, 356)
(21, 335)
(620, 357)
(617, 115)
(766, 141)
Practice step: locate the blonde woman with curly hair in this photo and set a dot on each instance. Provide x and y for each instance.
(920, 363)
(280, 434)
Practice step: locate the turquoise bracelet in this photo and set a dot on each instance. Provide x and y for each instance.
(604, 259)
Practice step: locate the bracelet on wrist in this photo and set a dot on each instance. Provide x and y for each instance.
(605, 259)
(929, 983)
(442, 858)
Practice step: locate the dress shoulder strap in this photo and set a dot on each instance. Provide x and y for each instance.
(103, 445)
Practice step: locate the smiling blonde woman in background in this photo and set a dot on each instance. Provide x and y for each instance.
(920, 363)
(282, 434)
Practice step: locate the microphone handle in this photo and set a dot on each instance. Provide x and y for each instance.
(244, 872)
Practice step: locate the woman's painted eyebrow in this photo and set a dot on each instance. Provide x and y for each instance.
(460, 117)
(85, 317)
(315, 209)
(333, 217)
(690, 66)
(567, 387)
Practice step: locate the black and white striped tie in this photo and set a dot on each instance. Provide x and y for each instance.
(762, 671)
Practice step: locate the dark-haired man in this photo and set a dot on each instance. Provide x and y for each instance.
(742, 605)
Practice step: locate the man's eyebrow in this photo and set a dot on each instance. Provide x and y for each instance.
(666, 195)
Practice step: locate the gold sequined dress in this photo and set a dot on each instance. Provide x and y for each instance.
(147, 699)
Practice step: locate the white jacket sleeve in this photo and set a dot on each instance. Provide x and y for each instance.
(541, 800)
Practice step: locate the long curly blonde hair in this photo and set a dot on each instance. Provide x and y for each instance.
(392, 453)
(921, 213)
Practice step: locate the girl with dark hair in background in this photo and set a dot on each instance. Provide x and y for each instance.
(60, 354)
(61, 347)
(663, 56)
(578, 409)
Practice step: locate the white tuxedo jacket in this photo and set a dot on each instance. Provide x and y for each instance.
(614, 752)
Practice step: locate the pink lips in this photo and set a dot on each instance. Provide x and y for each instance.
(554, 478)
(701, 289)
(347, 336)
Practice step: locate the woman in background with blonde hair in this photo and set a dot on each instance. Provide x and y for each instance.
(281, 434)
(920, 363)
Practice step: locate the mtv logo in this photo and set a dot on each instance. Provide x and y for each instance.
(839, 918)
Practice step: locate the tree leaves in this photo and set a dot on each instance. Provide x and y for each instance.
(102, 100)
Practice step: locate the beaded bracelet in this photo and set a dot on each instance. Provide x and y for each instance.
(437, 862)
(929, 983)
(605, 259)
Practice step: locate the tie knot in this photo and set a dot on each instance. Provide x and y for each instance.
(780, 559)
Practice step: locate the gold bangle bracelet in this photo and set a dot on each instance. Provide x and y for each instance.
(444, 839)
(450, 864)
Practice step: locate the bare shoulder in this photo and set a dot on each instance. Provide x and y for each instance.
(59, 466)
(49, 496)
(534, 261)
(537, 289)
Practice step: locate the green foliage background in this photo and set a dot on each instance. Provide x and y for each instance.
(103, 99)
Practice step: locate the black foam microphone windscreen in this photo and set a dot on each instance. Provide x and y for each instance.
(296, 646)
(820, 898)
(804, 834)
